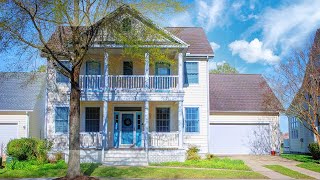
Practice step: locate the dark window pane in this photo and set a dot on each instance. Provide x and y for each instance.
(92, 119)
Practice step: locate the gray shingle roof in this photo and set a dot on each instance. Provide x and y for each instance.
(195, 37)
(20, 90)
(241, 93)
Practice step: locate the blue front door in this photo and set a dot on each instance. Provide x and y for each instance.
(127, 129)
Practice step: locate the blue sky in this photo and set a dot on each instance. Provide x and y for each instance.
(251, 35)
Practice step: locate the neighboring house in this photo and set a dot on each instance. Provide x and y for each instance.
(134, 105)
(299, 136)
(22, 106)
(242, 118)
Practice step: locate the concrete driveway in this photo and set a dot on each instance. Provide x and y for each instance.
(257, 163)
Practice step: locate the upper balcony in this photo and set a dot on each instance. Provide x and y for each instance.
(119, 79)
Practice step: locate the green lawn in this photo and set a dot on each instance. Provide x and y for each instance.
(216, 163)
(311, 166)
(307, 161)
(172, 173)
(288, 172)
(59, 170)
(300, 158)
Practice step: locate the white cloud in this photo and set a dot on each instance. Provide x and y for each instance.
(209, 14)
(253, 51)
(289, 26)
(213, 64)
(183, 19)
(214, 46)
(237, 5)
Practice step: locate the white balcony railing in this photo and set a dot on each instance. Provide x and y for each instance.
(91, 82)
(122, 82)
(163, 139)
(163, 82)
(126, 81)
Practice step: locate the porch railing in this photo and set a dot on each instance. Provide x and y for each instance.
(163, 139)
(122, 82)
(90, 140)
(87, 140)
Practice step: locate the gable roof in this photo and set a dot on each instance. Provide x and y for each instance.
(195, 37)
(20, 90)
(241, 93)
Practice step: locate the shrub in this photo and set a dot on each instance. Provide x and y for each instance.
(210, 156)
(193, 153)
(314, 150)
(29, 149)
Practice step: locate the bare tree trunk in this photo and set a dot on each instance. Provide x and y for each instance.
(74, 126)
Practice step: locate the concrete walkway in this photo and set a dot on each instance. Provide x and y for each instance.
(257, 163)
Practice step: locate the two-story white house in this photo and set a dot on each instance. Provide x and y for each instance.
(135, 105)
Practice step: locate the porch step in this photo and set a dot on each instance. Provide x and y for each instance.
(125, 157)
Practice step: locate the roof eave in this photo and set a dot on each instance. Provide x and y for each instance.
(200, 55)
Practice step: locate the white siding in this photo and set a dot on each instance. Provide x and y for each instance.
(196, 95)
(37, 117)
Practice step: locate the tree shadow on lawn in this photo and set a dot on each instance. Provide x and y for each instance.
(89, 168)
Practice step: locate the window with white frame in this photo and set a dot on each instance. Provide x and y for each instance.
(93, 68)
(191, 73)
(61, 119)
(192, 119)
(162, 119)
(294, 128)
(60, 78)
(92, 119)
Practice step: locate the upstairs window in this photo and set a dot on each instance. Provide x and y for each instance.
(127, 68)
(93, 68)
(162, 69)
(60, 78)
(294, 128)
(192, 119)
(61, 119)
(191, 73)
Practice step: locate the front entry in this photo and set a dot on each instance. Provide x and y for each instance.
(127, 124)
(127, 129)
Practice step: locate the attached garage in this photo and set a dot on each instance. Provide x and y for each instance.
(22, 102)
(8, 131)
(241, 121)
(235, 138)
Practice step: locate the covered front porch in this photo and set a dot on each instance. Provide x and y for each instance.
(128, 125)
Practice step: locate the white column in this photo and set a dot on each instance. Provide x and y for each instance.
(146, 71)
(146, 124)
(180, 124)
(180, 71)
(104, 128)
(106, 71)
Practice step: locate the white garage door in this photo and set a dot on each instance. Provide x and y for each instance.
(7, 132)
(239, 139)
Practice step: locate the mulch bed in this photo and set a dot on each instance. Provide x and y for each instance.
(78, 178)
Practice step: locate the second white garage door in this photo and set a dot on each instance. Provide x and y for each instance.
(239, 139)
(8, 131)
